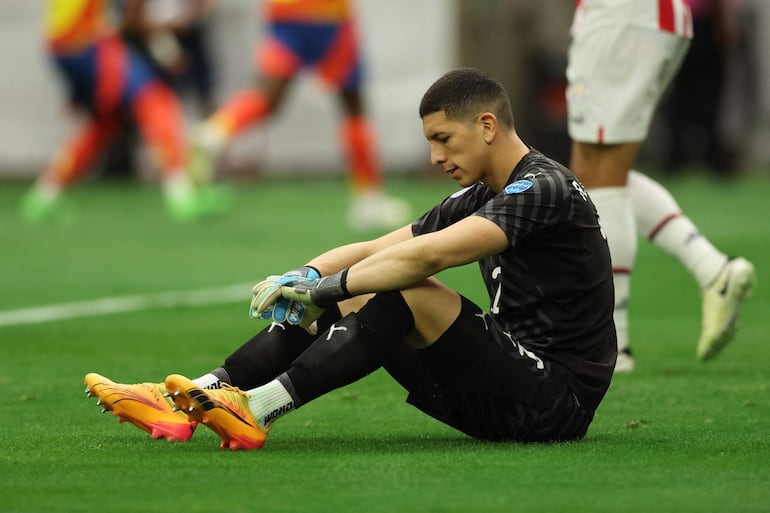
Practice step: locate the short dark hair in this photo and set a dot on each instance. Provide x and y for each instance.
(464, 93)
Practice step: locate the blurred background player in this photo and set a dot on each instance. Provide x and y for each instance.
(174, 36)
(107, 81)
(622, 56)
(321, 35)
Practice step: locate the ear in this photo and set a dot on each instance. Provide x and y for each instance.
(489, 126)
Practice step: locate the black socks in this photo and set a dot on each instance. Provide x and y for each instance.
(270, 352)
(351, 348)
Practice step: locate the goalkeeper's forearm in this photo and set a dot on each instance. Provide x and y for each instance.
(379, 275)
(395, 268)
(346, 256)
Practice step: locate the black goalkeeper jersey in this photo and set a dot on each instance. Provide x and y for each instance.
(551, 290)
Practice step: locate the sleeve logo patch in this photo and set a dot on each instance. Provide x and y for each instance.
(518, 186)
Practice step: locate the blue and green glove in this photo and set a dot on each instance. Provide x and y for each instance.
(307, 296)
(278, 308)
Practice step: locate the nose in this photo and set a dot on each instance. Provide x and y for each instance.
(437, 156)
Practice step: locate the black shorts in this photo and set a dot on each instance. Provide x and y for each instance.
(476, 379)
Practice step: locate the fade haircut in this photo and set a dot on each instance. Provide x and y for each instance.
(464, 93)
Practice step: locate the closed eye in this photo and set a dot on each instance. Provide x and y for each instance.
(439, 137)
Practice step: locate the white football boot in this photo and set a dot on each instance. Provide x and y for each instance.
(625, 362)
(375, 210)
(722, 302)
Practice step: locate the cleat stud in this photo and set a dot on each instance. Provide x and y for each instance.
(105, 410)
(176, 393)
(166, 394)
(174, 408)
(98, 402)
(191, 408)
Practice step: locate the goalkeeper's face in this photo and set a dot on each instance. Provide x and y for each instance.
(459, 147)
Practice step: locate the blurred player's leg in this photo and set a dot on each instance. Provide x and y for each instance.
(69, 164)
(161, 122)
(371, 208)
(244, 109)
(661, 221)
(617, 73)
(617, 220)
(341, 68)
(724, 285)
(722, 301)
(125, 81)
(601, 168)
(241, 111)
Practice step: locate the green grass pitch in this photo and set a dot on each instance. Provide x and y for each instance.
(674, 436)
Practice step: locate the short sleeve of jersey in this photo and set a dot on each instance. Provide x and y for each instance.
(539, 196)
(459, 205)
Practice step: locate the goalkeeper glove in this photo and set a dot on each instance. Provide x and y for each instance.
(278, 308)
(318, 293)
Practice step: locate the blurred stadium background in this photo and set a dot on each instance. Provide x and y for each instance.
(408, 44)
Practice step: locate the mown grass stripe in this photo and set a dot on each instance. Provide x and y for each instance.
(125, 304)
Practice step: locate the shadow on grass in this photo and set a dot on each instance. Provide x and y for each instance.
(334, 444)
(321, 444)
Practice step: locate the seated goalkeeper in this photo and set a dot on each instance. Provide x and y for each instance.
(534, 368)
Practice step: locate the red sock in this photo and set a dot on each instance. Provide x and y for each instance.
(240, 111)
(76, 156)
(161, 122)
(358, 142)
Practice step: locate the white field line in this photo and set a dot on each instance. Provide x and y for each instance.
(123, 304)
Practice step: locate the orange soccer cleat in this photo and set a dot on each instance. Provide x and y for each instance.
(225, 411)
(144, 405)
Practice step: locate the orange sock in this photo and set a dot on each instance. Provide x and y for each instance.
(358, 142)
(77, 155)
(161, 121)
(240, 111)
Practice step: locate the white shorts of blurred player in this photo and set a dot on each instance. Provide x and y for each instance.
(616, 76)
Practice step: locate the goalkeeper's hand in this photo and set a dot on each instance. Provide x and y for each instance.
(276, 307)
(313, 293)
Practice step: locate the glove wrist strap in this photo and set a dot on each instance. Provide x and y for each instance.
(331, 289)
